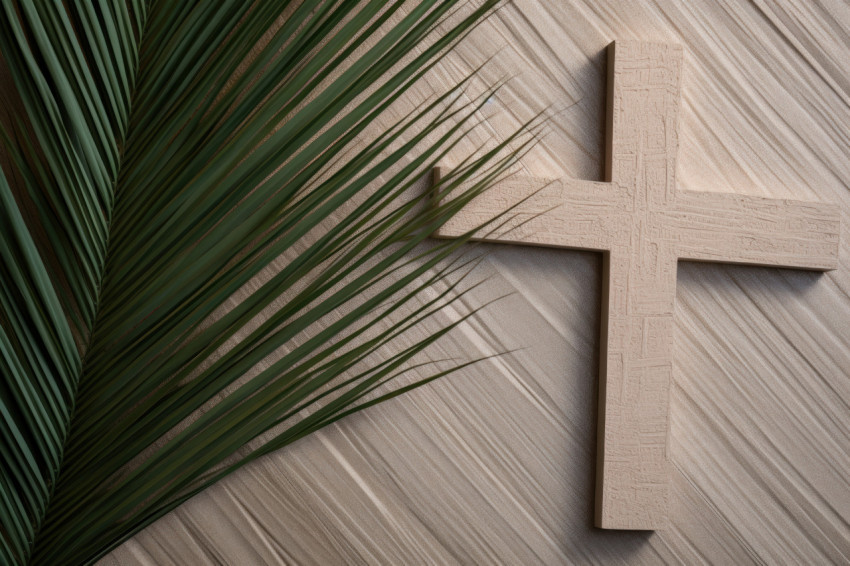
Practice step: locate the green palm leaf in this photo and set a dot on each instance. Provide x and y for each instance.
(174, 154)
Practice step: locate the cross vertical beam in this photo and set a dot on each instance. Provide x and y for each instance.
(643, 226)
(632, 475)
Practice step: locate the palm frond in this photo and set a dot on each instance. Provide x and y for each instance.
(175, 156)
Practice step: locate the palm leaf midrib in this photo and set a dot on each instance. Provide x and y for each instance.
(90, 339)
(135, 123)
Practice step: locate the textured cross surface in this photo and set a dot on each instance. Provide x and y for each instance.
(643, 226)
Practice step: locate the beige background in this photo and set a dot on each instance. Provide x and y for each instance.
(496, 465)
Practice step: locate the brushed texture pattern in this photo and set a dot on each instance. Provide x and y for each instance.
(496, 465)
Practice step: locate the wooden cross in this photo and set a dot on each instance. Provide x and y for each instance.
(643, 226)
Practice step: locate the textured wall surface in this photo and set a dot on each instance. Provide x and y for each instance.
(496, 464)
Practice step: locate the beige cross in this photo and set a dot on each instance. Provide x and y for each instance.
(643, 226)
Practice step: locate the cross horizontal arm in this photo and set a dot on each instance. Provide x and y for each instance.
(732, 228)
(556, 213)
